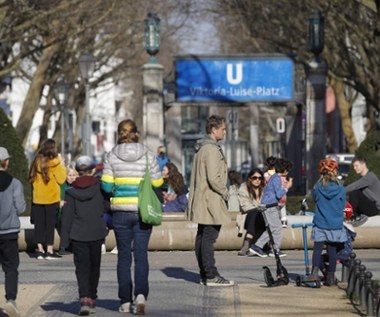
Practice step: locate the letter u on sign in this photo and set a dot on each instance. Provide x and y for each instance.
(238, 74)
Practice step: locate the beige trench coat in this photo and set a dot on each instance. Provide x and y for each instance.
(208, 194)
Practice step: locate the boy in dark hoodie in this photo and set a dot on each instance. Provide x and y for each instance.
(83, 212)
(12, 204)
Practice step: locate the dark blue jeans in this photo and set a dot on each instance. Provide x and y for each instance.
(204, 250)
(130, 231)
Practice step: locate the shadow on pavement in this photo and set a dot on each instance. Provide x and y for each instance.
(73, 307)
(181, 273)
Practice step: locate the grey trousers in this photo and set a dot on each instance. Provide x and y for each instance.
(275, 227)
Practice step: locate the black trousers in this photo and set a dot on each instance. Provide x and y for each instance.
(254, 224)
(10, 261)
(87, 258)
(44, 222)
(204, 250)
(361, 204)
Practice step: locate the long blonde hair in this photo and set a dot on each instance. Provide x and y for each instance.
(127, 132)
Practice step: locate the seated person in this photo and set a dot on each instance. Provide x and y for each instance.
(235, 181)
(364, 193)
(250, 193)
(174, 190)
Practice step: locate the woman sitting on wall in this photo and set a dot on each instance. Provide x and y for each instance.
(174, 189)
(250, 193)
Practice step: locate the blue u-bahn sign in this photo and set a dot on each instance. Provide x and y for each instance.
(234, 79)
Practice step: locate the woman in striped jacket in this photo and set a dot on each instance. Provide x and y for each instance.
(124, 168)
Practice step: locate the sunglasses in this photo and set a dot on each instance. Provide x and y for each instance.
(255, 178)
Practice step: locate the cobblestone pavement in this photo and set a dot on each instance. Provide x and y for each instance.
(48, 288)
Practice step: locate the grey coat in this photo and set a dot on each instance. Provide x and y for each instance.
(208, 194)
(12, 203)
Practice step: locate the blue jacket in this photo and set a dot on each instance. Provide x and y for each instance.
(330, 201)
(273, 191)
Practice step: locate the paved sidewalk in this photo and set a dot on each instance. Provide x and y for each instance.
(48, 288)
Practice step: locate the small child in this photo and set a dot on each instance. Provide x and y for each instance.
(330, 200)
(270, 165)
(64, 244)
(12, 204)
(273, 192)
(83, 211)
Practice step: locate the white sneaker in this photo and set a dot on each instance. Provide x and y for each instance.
(125, 308)
(139, 305)
(104, 250)
(114, 250)
(11, 309)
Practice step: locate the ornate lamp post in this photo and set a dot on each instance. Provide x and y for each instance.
(152, 36)
(315, 100)
(61, 93)
(87, 66)
(316, 33)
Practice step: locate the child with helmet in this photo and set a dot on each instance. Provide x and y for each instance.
(330, 200)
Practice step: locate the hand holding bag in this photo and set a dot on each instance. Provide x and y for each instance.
(149, 205)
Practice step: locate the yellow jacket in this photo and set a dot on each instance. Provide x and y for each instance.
(46, 194)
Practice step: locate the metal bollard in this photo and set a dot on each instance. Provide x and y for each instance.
(369, 294)
(350, 273)
(377, 302)
(352, 288)
(345, 270)
(362, 289)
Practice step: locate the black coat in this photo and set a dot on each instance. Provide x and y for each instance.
(83, 210)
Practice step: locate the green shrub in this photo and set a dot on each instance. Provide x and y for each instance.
(18, 164)
(370, 150)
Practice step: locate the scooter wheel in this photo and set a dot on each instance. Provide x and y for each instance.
(298, 281)
(268, 277)
(318, 284)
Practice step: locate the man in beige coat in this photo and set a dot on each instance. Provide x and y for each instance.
(208, 199)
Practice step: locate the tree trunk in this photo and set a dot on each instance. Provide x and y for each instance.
(344, 108)
(33, 97)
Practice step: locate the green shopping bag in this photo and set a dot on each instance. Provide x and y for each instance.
(149, 204)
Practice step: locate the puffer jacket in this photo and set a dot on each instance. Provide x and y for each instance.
(50, 193)
(124, 168)
(208, 194)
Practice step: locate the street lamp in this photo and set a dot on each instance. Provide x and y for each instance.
(61, 93)
(316, 33)
(152, 36)
(87, 66)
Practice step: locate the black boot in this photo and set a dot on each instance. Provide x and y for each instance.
(330, 279)
(245, 247)
(313, 277)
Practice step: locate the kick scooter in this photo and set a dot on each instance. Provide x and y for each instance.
(282, 274)
(300, 280)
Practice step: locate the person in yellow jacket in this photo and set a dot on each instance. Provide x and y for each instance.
(47, 173)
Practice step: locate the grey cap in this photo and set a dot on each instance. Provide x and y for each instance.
(4, 155)
(84, 163)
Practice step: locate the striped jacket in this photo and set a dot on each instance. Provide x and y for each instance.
(124, 168)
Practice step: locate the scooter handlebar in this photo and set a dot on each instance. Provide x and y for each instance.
(263, 206)
(302, 225)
